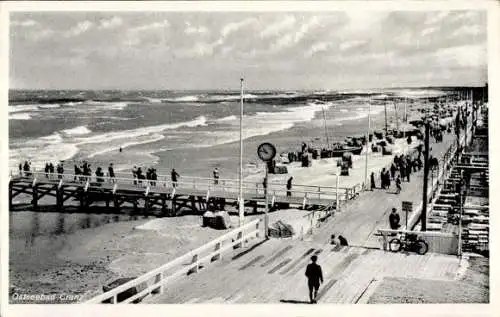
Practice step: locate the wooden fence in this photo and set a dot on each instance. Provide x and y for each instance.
(154, 281)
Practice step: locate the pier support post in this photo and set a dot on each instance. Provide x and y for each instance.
(10, 195)
(163, 204)
(146, 206)
(59, 199)
(35, 197)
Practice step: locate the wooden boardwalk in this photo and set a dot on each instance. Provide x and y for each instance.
(273, 272)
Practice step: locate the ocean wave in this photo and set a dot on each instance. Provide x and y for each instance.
(107, 105)
(145, 140)
(81, 130)
(23, 108)
(109, 136)
(191, 98)
(344, 110)
(20, 116)
(49, 106)
(228, 118)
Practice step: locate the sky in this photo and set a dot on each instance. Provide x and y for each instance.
(271, 50)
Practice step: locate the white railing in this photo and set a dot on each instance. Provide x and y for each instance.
(201, 184)
(156, 279)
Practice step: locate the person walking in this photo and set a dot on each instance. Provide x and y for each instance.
(382, 179)
(372, 181)
(174, 176)
(289, 187)
(216, 176)
(314, 276)
(264, 185)
(394, 219)
(134, 174)
(398, 185)
(111, 173)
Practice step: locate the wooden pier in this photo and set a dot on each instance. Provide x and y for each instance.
(163, 198)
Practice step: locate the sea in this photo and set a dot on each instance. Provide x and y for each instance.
(191, 131)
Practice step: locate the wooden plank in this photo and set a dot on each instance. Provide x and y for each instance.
(279, 266)
(297, 261)
(277, 255)
(251, 263)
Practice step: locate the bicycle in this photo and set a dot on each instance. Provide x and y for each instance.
(409, 242)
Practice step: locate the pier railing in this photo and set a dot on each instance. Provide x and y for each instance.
(154, 281)
(206, 185)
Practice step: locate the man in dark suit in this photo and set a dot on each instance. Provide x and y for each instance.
(314, 278)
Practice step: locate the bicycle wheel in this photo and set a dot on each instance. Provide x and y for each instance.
(421, 247)
(395, 245)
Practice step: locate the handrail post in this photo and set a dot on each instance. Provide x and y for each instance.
(158, 280)
(195, 260)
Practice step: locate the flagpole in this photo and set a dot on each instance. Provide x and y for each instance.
(240, 196)
(367, 143)
(405, 119)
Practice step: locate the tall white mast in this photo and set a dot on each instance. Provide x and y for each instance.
(240, 196)
(367, 143)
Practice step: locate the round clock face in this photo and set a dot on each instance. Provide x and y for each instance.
(266, 151)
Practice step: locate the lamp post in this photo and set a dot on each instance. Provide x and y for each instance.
(240, 196)
(426, 176)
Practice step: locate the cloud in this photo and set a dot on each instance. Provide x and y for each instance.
(351, 44)
(275, 28)
(41, 35)
(464, 56)
(25, 23)
(195, 30)
(428, 30)
(235, 26)
(152, 26)
(318, 47)
(468, 30)
(111, 23)
(437, 17)
(293, 37)
(80, 28)
(360, 21)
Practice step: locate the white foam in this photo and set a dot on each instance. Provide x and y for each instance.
(81, 130)
(145, 140)
(193, 98)
(23, 108)
(20, 116)
(262, 123)
(71, 103)
(344, 110)
(228, 118)
(50, 106)
(104, 105)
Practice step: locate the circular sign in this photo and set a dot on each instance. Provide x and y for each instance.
(266, 151)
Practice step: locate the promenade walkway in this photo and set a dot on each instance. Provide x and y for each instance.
(273, 272)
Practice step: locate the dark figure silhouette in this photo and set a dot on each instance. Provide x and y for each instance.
(289, 187)
(111, 173)
(372, 181)
(314, 278)
(174, 176)
(394, 219)
(343, 241)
